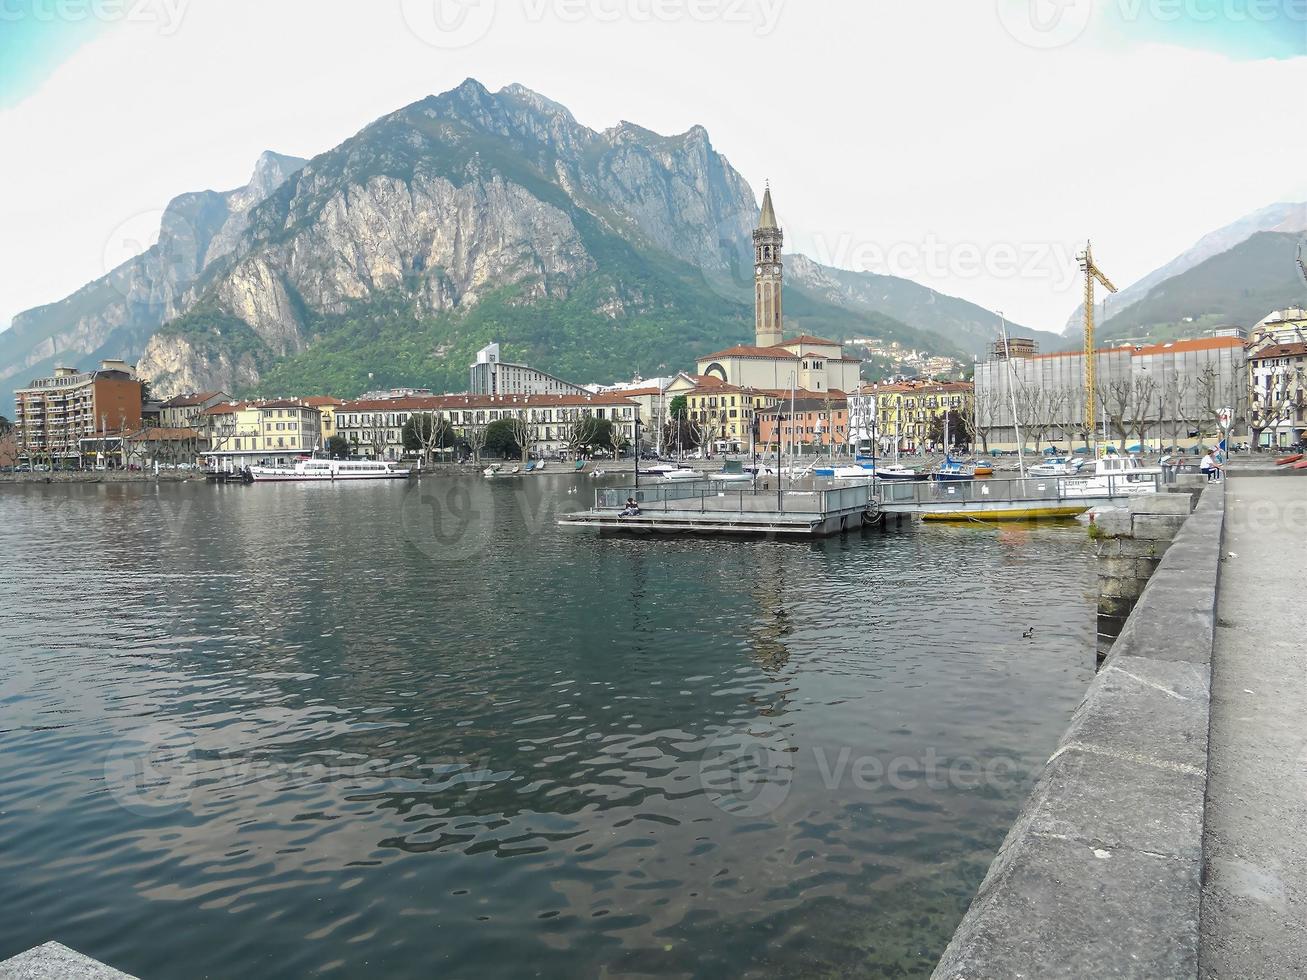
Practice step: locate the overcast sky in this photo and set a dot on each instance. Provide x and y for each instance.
(969, 144)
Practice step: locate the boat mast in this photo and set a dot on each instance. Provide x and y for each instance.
(1012, 393)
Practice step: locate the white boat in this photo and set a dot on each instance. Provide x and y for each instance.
(732, 478)
(679, 474)
(496, 469)
(1057, 466)
(1114, 476)
(330, 470)
(661, 469)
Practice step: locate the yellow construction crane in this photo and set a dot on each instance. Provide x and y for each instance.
(1092, 273)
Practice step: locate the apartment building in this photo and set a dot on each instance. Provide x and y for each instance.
(57, 416)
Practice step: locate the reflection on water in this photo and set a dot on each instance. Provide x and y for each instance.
(419, 729)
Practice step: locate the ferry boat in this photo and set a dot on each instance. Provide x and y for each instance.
(330, 470)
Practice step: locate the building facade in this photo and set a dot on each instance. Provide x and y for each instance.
(1277, 390)
(909, 415)
(805, 424)
(1152, 395)
(492, 376)
(55, 415)
(723, 414)
(184, 411)
(376, 428)
(258, 433)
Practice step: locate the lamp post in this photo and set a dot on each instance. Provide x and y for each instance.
(636, 452)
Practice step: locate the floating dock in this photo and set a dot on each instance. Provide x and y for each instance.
(1024, 499)
(717, 508)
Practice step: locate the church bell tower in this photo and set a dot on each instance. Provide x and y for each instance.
(767, 274)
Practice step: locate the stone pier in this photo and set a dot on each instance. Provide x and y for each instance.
(1101, 874)
(1131, 545)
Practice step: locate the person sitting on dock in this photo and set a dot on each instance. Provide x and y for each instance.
(632, 508)
(1210, 467)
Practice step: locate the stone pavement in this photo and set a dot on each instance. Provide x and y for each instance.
(1254, 905)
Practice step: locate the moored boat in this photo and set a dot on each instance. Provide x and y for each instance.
(330, 470)
(895, 471)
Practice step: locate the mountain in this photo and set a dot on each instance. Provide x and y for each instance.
(1286, 217)
(115, 315)
(466, 217)
(969, 327)
(1239, 286)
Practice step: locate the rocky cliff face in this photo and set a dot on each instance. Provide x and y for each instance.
(175, 364)
(114, 315)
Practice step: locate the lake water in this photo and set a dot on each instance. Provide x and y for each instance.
(419, 730)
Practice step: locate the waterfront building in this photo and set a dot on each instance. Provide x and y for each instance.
(490, 375)
(53, 415)
(1277, 391)
(811, 422)
(259, 433)
(376, 427)
(907, 412)
(1150, 395)
(806, 362)
(325, 406)
(184, 411)
(723, 413)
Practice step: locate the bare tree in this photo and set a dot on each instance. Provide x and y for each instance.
(1144, 392)
(476, 441)
(431, 432)
(1115, 398)
(617, 439)
(1272, 405)
(378, 433)
(523, 435)
(579, 433)
(988, 402)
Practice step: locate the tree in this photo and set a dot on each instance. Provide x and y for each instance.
(337, 446)
(499, 437)
(616, 439)
(1144, 390)
(6, 427)
(579, 434)
(1115, 399)
(679, 408)
(988, 401)
(476, 441)
(601, 434)
(378, 433)
(523, 435)
(957, 428)
(424, 434)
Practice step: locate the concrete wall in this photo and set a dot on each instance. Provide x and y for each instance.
(1101, 873)
(1131, 545)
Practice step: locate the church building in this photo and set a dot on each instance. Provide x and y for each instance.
(772, 363)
